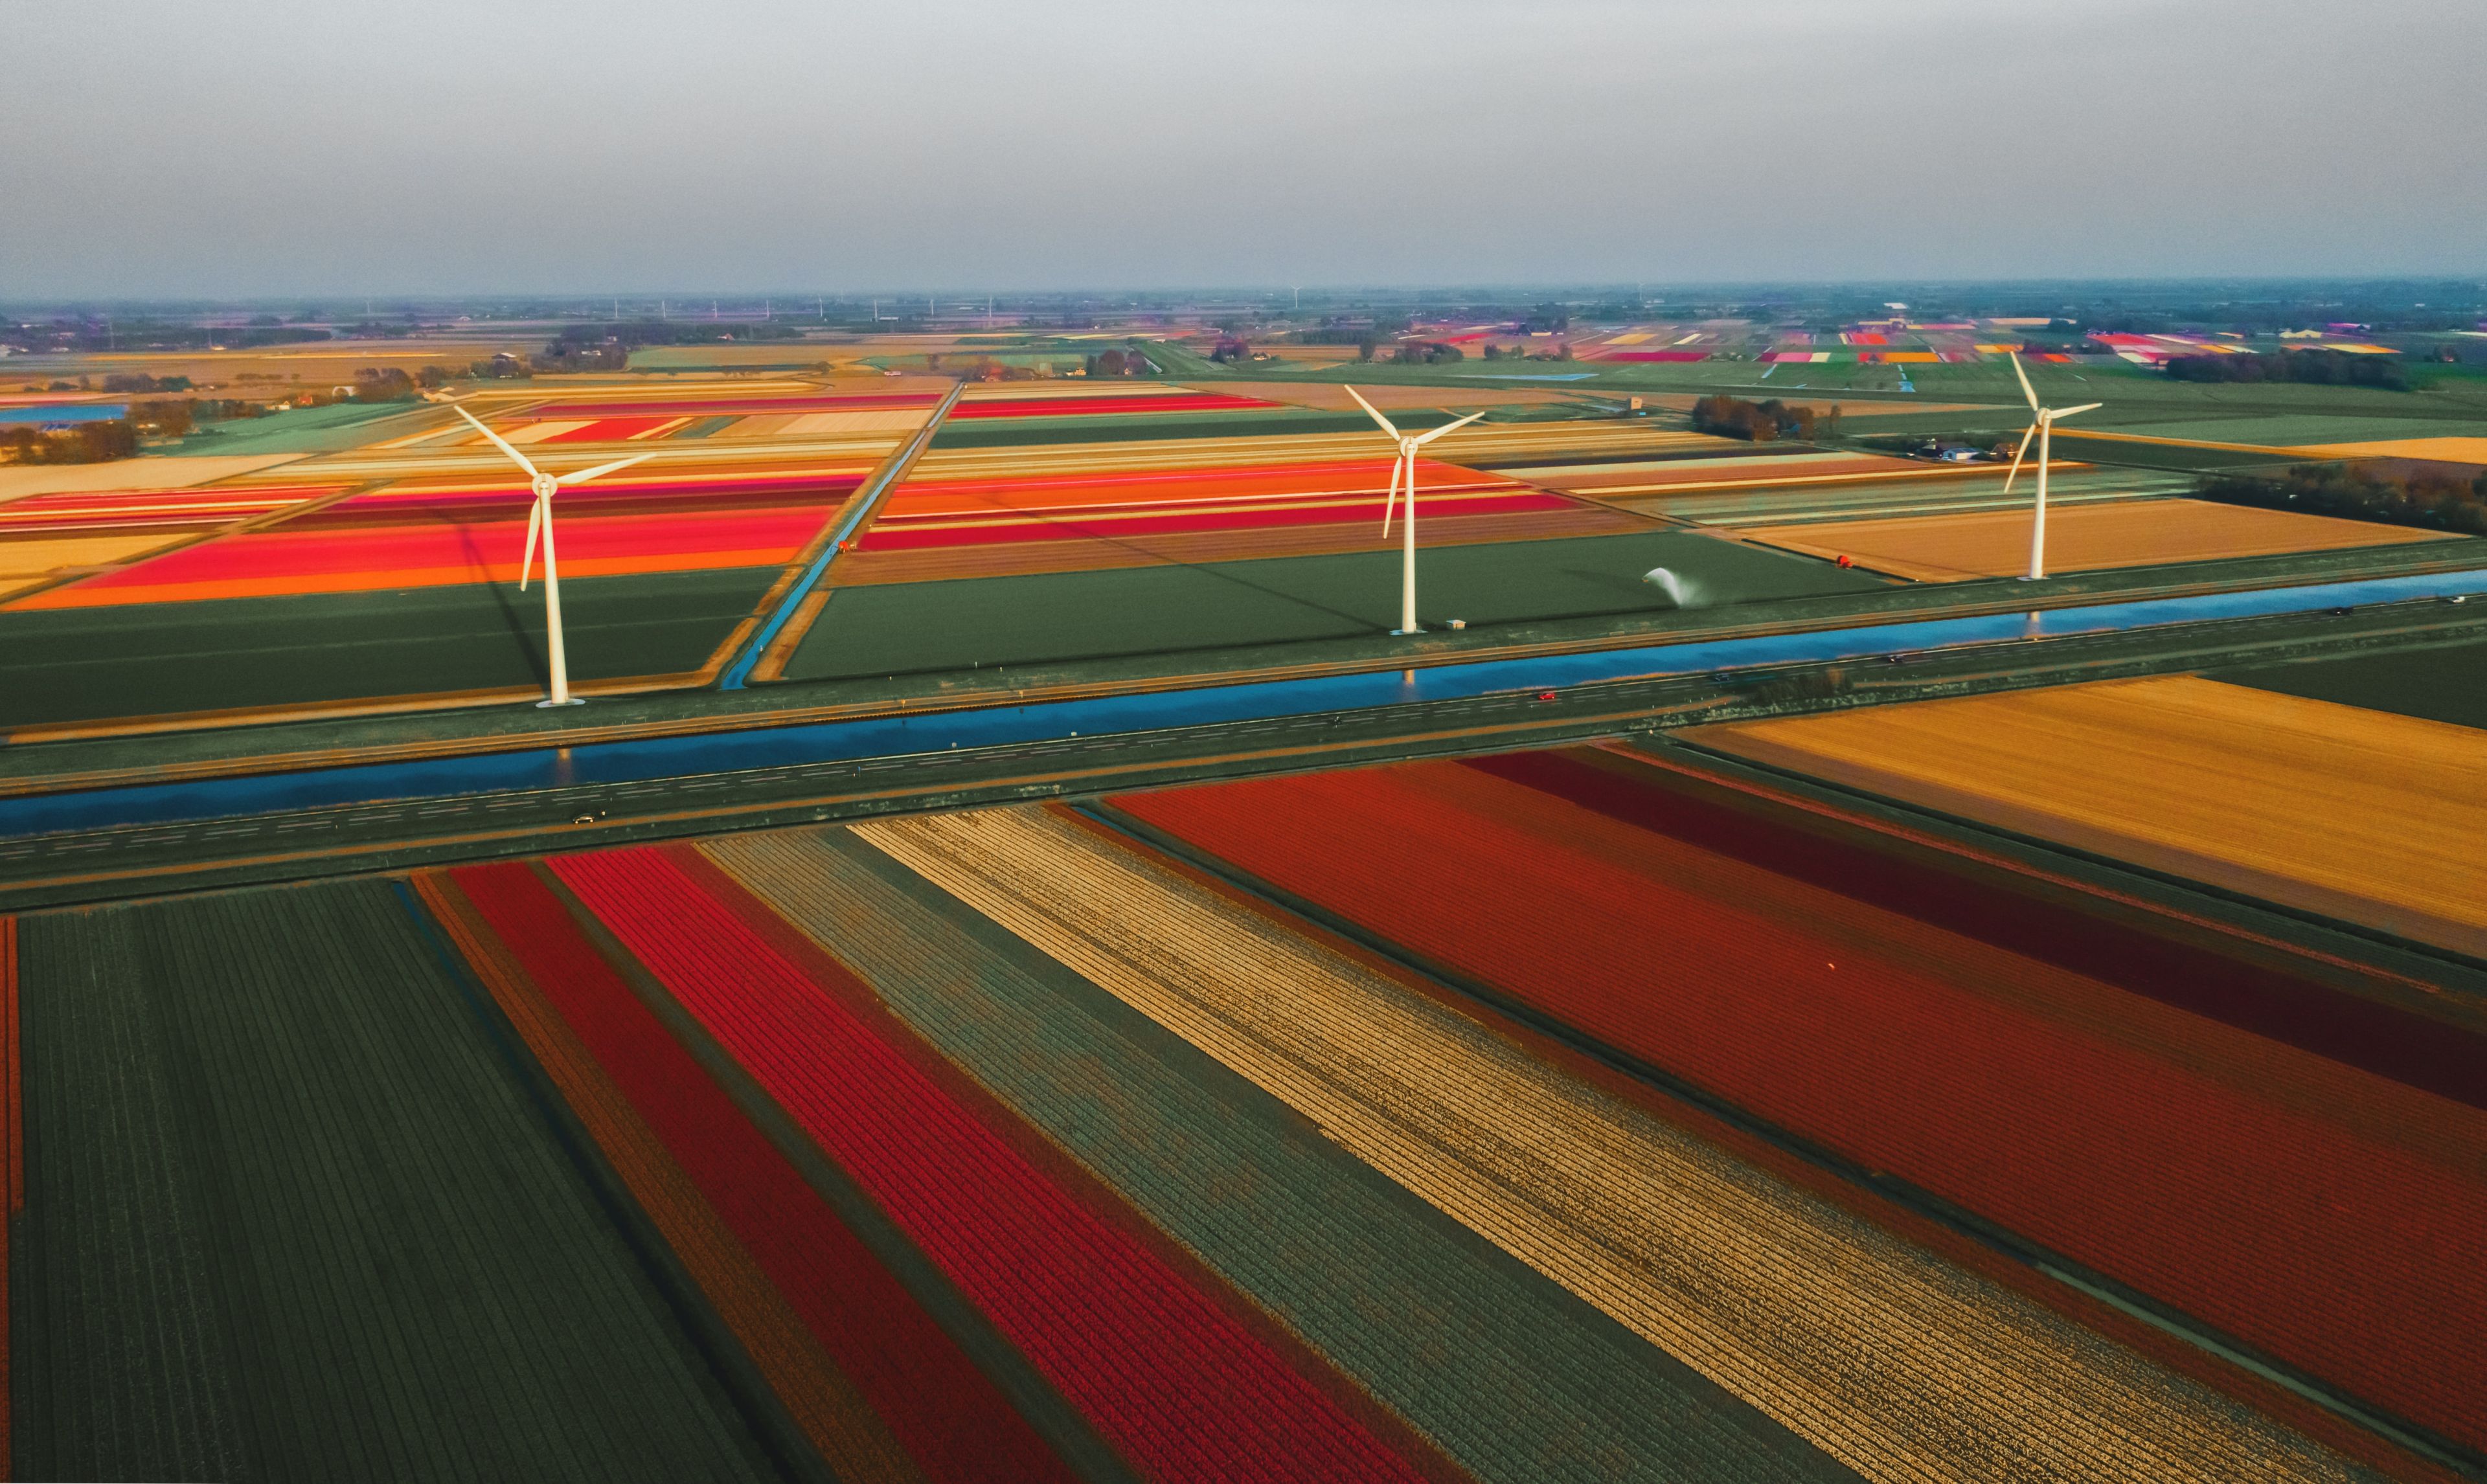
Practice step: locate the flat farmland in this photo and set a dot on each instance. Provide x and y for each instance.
(19, 481)
(416, 536)
(2275, 1157)
(2364, 816)
(2455, 451)
(893, 628)
(1004, 1145)
(52, 540)
(2080, 538)
(141, 666)
(2448, 683)
(1799, 504)
(1332, 396)
(382, 575)
(1065, 521)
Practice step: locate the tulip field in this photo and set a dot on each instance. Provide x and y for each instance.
(1191, 1136)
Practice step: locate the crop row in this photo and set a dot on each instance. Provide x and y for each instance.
(1500, 1370)
(1174, 1382)
(1887, 1361)
(2359, 1258)
(925, 1389)
(488, 910)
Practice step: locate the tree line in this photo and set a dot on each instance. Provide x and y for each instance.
(2438, 496)
(1732, 416)
(2322, 367)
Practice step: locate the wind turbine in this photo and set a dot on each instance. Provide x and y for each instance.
(1408, 444)
(2042, 423)
(540, 520)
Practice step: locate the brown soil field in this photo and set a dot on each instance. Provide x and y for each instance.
(2362, 815)
(1011, 559)
(19, 481)
(2080, 538)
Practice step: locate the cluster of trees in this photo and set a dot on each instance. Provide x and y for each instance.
(1562, 351)
(1426, 353)
(1120, 363)
(1732, 416)
(983, 368)
(503, 367)
(217, 409)
(79, 443)
(572, 351)
(2436, 497)
(1230, 348)
(2326, 368)
(383, 384)
(142, 382)
(170, 417)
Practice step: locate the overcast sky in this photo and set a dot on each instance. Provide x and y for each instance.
(276, 148)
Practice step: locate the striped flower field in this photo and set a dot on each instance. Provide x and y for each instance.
(429, 535)
(1170, 1138)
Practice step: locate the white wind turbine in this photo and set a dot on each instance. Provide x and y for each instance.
(2042, 423)
(540, 521)
(1408, 444)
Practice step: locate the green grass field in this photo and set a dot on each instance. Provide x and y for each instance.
(903, 628)
(293, 1211)
(2447, 684)
(302, 431)
(156, 659)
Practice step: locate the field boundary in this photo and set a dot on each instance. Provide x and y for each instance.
(776, 640)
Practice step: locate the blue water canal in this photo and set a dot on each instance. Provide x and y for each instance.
(765, 747)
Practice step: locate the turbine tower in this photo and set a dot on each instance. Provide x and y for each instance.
(540, 520)
(2042, 423)
(1408, 444)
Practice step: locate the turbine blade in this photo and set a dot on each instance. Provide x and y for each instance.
(583, 476)
(2027, 434)
(535, 524)
(1391, 502)
(1377, 417)
(2065, 412)
(2015, 358)
(498, 441)
(1424, 438)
